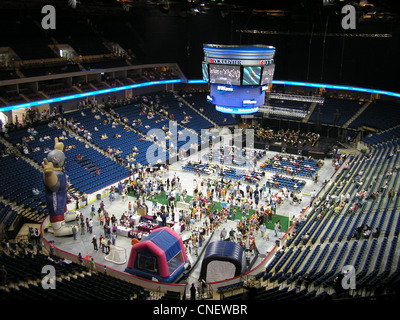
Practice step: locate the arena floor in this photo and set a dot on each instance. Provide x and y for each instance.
(84, 246)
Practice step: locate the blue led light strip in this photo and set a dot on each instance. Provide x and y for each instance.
(326, 86)
(337, 87)
(161, 82)
(87, 94)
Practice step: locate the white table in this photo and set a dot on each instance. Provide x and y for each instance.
(136, 219)
(123, 231)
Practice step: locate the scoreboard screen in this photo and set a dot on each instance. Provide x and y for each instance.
(267, 74)
(251, 76)
(236, 99)
(206, 76)
(238, 76)
(225, 74)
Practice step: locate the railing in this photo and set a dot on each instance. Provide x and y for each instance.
(289, 112)
(292, 97)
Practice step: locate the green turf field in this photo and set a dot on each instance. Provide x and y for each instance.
(161, 198)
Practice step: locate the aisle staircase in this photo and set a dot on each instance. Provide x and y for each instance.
(359, 112)
(310, 111)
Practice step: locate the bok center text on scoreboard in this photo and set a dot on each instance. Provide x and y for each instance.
(238, 76)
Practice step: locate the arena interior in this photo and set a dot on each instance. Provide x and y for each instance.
(311, 213)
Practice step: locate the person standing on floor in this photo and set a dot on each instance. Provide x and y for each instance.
(82, 226)
(90, 226)
(37, 236)
(80, 259)
(92, 265)
(94, 241)
(102, 243)
(75, 231)
(93, 211)
(262, 229)
(108, 247)
(113, 238)
(277, 228)
(192, 292)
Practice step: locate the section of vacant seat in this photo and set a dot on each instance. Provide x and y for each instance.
(28, 40)
(199, 101)
(380, 115)
(82, 173)
(336, 111)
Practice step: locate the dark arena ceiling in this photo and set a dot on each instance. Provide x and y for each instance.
(311, 44)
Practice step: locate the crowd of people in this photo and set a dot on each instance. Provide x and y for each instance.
(287, 137)
(213, 202)
(234, 155)
(293, 165)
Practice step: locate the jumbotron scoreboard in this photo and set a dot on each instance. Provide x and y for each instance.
(238, 76)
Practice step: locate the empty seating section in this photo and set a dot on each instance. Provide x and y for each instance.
(380, 115)
(230, 287)
(107, 132)
(109, 63)
(40, 70)
(10, 96)
(77, 282)
(139, 118)
(383, 136)
(26, 38)
(335, 234)
(199, 101)
(80, 36)
(82, 174)
(183, 114)
(55, 89)
(32, 45)
(8, 74)
(336, 111)
(185, 120)
(7, 215)
(18, 179)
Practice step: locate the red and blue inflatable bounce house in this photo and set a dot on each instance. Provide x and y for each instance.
(161, 256)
